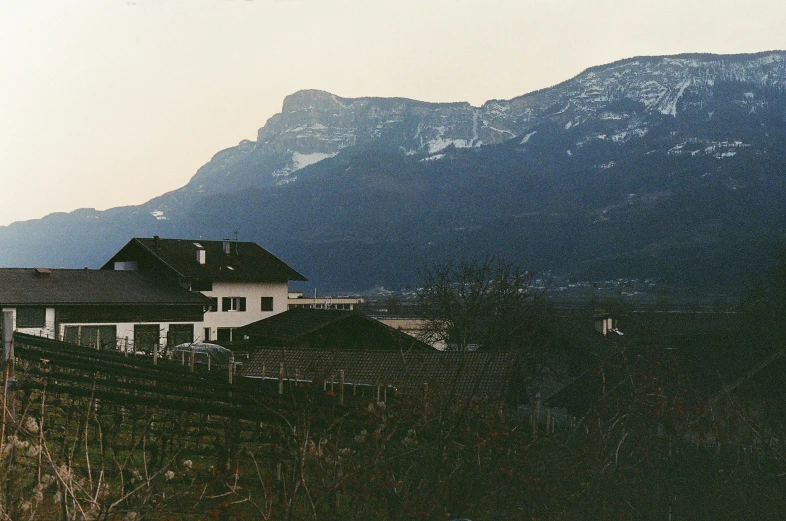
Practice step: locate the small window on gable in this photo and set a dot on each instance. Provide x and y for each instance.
(267, 303)
(233, 304)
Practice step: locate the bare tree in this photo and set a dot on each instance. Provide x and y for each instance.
(486, 303)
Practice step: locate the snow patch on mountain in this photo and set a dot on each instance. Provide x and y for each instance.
(526, 138)
(441, 143)
(300, 160)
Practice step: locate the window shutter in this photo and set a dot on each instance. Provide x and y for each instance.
(226, 304)
(242, 304)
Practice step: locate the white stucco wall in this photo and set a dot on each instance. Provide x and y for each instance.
(47, 331)
(125, 330)
(253, 292)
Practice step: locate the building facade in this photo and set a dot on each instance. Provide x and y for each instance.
(243, 281)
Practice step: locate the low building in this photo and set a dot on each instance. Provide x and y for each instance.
(245, 282)
(297, 300)
(102, 309)
(412, 326)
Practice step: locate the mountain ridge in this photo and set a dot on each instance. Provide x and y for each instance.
(605, 153)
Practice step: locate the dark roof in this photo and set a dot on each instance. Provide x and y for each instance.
(246, 262)
(300, 326)
(38, 286)
(453, 375)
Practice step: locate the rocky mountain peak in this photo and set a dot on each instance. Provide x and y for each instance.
(312, 100)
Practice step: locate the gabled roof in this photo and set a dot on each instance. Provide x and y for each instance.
(457, 376)
(38, 286)
(328, 328)
(246, 261)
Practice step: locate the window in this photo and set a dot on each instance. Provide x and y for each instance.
(180, 334)
(267, 303)
(233, 304)
(99, 337)
(213, 304)
(30, 317)
(146, 337)
(206, 336)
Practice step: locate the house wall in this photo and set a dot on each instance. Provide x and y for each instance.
(48, 330)
(125, 331)
(253, 292)
(57, 320)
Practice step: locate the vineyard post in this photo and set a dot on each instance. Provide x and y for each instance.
(8, 358)
(341, 399)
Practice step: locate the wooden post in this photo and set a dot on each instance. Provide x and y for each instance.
(281, 378)
(231, 366)
(9, 404)
(191, 359)
(536, 416)
(125, 347)
(155, 354)
(341, 395)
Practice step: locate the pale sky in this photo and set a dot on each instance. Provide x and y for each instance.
(107, 103)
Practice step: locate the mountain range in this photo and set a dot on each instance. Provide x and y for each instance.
(671, 168)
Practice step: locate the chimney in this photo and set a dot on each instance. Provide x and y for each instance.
(201, 256)
(157, 241)
(227, 247)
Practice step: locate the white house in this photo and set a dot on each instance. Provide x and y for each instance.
(102, 309)
(245, 282)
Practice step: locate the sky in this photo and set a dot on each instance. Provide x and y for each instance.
(108, 103)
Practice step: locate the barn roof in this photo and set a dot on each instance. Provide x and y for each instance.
(328, 328)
